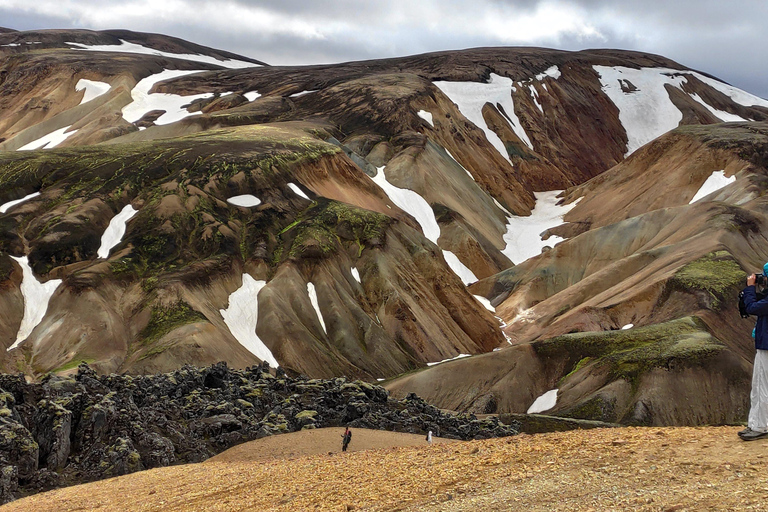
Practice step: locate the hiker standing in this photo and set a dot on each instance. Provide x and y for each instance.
(757, 425)
(429, 437)
(345, 439)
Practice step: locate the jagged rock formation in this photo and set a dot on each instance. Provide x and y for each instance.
(69, 430)
(328, 218)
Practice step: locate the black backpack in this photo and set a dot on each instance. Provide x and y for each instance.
(743, 307)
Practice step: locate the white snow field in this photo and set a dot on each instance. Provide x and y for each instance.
(715, 182)
(535, 96)
(93, 89)
(647, 113)
(724, 116)
(470, 97)
(144, 102)
(628, 326)
(126, 47)
(418, 207)
(544, 403)
(427, 116)
(485, 302)
(252, 95)
(356, 274)
(49, 141)
(10, 204)
(552, 72)
(451, 359)
(114, 233)
(246, 200)
(242, 316)
(523, 236)
(312, 292)
(465, 274)
(36, 297)
(411, 203)
(300, 94)
(296, 190)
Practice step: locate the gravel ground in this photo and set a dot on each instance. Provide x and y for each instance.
(647, 469)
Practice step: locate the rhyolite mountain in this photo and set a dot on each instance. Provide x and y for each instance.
(163, 203)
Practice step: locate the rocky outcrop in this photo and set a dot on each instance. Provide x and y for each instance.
(68, 430)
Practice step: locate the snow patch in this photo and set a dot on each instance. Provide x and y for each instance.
(722, 115)
(628, 326)
(126, 47)
(485, 302)
(36, 297)
(470, 97)
(715, 182)
(645, 111)
(552, 72)
(535, 96)
(144, 102)
(49, 141)
(451, 359)
(356, 275)
(114, 233)
(92, 88)
(302, 93)
(544, 403)
(523, 236)
(298, 191)
(411, 203)
(242, 317)
(461, 270)
(246, 200)
(10, 204)
(313, 299)
(252, 95)
(427, 116)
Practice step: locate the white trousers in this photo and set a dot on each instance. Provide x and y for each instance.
(758, 411)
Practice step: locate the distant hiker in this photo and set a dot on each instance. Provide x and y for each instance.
(345, 439)
(429, 437)
(757, 304)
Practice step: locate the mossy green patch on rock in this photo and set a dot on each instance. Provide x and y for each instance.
(627, 354)
(165, 319)
(716, 274)
(328, 225)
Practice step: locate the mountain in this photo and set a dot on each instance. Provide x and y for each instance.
(183, 205)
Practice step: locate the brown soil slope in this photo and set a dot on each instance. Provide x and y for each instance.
(647, 469)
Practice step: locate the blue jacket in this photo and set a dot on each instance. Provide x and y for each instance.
(759, 308)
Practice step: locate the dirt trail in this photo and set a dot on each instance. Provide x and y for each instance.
(649, 469)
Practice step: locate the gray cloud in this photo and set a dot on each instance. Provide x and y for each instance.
(725, 39)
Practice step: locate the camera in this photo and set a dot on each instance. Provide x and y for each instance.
(760, 279)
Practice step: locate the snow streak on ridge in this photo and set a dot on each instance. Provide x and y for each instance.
(126, 47)
(113, 235)
(242, 317)
(36, 297)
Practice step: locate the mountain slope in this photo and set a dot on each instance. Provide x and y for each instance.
(327, 218)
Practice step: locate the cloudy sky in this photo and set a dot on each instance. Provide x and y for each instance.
(726, 38)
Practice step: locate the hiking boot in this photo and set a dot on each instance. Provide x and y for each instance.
(752, 435)
(745, 431)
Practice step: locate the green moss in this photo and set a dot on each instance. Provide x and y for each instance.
(716, 274)
(328, 225)
(628, 354)
(165, 319)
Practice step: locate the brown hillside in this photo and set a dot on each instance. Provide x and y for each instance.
(646, 469)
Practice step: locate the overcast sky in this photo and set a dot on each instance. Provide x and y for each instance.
(727, 38)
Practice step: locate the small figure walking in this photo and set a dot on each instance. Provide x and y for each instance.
(345, 439)
(429, 437)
